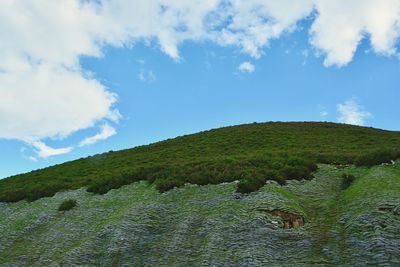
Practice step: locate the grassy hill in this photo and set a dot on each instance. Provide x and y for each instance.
(212, 226)
(347, 215)
(251, 153)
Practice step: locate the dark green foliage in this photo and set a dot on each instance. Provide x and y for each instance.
(295, 173)
(254, 180)
(164, 185)
(377, 157)
(347, 180)
(249, 185)
(102, 186)
(67, 205)
(279, 170)
(247, 152)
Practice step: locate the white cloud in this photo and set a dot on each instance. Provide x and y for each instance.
(45, 93)
(45, 151)
(253, 23)
(351, 112)
(323, 113)
(28, 157)
(45, 101)
(246, 67)
(147, 76)
(32, 158)
(105, 132)
(341, 25)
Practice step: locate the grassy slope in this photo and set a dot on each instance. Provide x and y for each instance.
(215, 156)
(207, 225)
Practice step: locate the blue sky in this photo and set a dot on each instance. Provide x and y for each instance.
(143, 89)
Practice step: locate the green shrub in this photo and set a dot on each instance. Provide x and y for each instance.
(377, 157)
(67, 205)
(42, 191)
(246, 186)
(347, 180)
(15, 196)
(105, 185)
(254, 181)
(279, 179)
(164, 185)
(295, 173)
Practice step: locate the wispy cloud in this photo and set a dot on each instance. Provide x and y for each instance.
(106, 131)
(323, 113)
(246, 67)
(32, 158)
(351, 112)
(140, 61)
(147, 76)
(23, 151)
(44, 151)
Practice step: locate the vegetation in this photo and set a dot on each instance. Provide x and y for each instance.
(67, 205)
(251, 153)
(347, 180)
(336, 220)
(377, 157)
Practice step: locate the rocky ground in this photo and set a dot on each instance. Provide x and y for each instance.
(213, 226)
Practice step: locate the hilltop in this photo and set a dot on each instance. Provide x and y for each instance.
(251, 153)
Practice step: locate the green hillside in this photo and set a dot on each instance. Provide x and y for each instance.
(251, 153)
(212, 226)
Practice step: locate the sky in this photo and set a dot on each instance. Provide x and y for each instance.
(81, 77)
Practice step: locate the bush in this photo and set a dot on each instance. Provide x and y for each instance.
(254, 181)
(103, 186)
(67, 205)
(295, 173)
(279, 179)
(246, 186)
(164, 185)
(377, 157)
(347, 180)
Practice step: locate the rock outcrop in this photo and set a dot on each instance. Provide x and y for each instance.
(289, 220)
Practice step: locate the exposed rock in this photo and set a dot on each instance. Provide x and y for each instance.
(289, 219)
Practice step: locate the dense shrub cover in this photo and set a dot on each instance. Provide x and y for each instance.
(67, 205)
(377, 157)
(249, 153)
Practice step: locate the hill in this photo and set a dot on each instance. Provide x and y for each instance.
(212, 225)
(251, 153)
(318, 200)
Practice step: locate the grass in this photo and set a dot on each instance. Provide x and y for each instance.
(158, 219)
(380, 184)
(251, 153)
